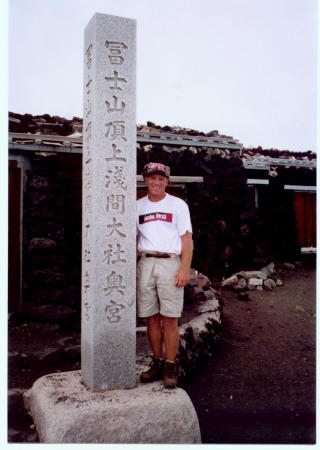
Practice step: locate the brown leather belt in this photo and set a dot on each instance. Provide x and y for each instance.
(158, 255)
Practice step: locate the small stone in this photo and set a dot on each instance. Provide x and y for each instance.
(214, 290)
(273, 173)
(252, 274)
(203, 281)
(44, 327)
(230, 281)
(193, 282)
(73, 352)
(49, 275)
(254, 282)
(208, 306)
(147, 148)
(289, 266)
(242, 284)
(42, 243)
(193, 273)
(269, 284)
(241, 274)
(299, 308)
(259, 288)
(65, 341)
(209, 294)
(279, 282)
(268, 269)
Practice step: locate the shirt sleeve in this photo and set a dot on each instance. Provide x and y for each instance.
(183, 219)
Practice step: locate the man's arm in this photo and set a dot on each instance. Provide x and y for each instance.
(183, 275)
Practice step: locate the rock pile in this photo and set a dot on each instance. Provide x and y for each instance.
(56, 125)
(60, 126)
(255, 153)
(247, 280)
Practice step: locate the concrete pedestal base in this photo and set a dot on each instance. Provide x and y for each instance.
(65, 411)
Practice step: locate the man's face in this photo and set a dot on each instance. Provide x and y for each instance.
(156, 185)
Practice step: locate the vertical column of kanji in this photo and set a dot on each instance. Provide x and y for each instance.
(109, 254)
(87, 288)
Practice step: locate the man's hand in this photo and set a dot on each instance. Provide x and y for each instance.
(183, 274)
(182, 277)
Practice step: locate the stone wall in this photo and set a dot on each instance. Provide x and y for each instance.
(52, 239)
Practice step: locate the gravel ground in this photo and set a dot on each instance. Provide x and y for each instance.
(260, 387)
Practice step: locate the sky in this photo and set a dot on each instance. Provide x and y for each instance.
(246, 68)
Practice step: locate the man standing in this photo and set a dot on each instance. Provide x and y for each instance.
(165, 246)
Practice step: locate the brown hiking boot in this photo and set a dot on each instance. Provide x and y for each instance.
(170, 374)
(154, 373)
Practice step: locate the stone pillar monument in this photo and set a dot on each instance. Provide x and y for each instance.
(108, 337)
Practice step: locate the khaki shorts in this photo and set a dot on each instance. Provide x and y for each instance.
(156, 289)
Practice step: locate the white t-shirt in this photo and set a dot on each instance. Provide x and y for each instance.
(160, 224)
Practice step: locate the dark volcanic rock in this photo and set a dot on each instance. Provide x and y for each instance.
(49, 313)
(73, 353)
(43, 359)
(42, 244)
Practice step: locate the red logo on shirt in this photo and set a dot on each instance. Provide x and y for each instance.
(164, 217)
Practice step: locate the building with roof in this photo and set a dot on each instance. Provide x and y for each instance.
(248, 205)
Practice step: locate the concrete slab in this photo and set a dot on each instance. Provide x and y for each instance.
(66, 411)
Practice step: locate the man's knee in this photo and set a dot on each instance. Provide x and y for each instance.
(169, 322)
(154, 321)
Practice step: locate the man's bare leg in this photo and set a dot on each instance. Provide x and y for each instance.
(170, 337)
(171, 342)
(154, 330)
(155, 335)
